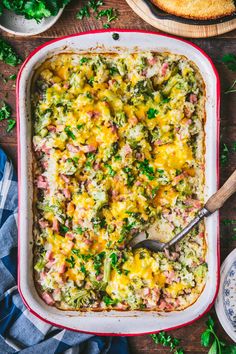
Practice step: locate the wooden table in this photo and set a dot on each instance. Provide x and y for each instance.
(215, 47)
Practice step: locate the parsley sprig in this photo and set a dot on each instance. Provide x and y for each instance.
(5, 114)
(8, 54)
(210, 339)
(111, 14)
(167, 341)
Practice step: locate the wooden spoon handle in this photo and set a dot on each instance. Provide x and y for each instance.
(216, 201)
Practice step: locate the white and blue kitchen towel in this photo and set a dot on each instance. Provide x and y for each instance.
(21, 331)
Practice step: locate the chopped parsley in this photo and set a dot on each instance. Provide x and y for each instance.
(70, 133)
(109, 301)
(146, 169)
(152, 113)
(71, 261)
(8, 54)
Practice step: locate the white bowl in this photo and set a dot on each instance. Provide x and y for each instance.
(19, 26)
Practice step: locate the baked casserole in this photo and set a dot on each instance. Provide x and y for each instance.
(118, 146)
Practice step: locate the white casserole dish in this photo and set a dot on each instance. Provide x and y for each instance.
(114, 322)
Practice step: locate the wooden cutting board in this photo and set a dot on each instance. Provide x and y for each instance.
(141, 8)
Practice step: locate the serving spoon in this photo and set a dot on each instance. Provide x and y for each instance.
(215, 202)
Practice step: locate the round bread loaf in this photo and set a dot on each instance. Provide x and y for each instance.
(197, 9)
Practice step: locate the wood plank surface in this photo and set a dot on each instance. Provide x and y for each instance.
(215, 47)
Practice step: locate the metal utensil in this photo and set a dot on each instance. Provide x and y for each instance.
(215, 202)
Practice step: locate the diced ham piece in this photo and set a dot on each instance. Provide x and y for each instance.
(127, 149)
(99, 277)
(62, 268)
(45, 149)
(43, 223)
(152, 61)
(67, 193)
(70, 236)
(88, 148)
(193, 202)
(193, 98)
(146, 291)
(178, 178)
(121, 306)
(96, 166)
(88, 242)
(65, 178)
(50, 264)
(66, 85)
(55, 225)
(42, 182)
(48, 298)
(162, 305)
(73, 148)
(164, 69)
(51, 128)
(49, 255)
(133, 120)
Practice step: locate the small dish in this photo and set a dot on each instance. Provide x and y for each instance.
(19, 26)
(226, 301)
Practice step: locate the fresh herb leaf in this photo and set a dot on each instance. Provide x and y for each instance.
(111, 172)
(84, 60)
(70, 133)
(108, 301)
(230, 61)
(167, 341)
(106, 25)
(205, 338)
(10, 124)
(80, 126)
(95, 4)
(5, 111)
(224, 156)
(111, 14)
(71, 261)
(83, 12)
(11, 77)
(8, 54)
(64, 229)
(151, 113)
(146, 169)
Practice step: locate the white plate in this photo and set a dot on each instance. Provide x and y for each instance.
(19, 26)
(226, 301)
(115, 322)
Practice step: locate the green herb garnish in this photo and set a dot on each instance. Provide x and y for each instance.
(108, 301)
(146, 169)
(83, 12)
(8, 54)
(5, 111)
(71, 261)
(151, 113)
(230, 61)
(111, 14)
(70, 133)
(10, 124)
(167, 341)
(210, 339)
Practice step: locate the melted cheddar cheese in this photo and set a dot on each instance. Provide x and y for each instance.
(119, 148)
